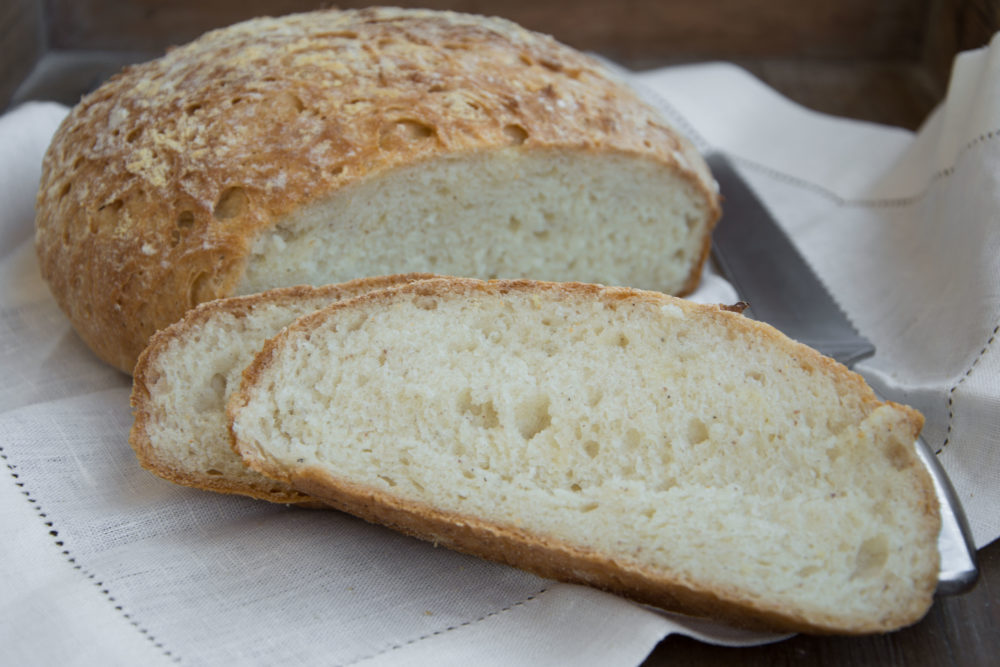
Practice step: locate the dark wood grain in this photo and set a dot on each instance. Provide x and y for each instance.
(954, 26)
(627, 29)
(21, 43)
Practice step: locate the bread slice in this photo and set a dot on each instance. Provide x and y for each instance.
(320, 147)
(186, 375)
(682, 455)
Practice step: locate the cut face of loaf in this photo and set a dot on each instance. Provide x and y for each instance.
(187, 374)
(682, 455)
(321, 147)
(547, 214)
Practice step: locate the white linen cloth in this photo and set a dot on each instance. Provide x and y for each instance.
(105, 564)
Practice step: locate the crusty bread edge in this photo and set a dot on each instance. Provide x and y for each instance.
(144, 376)
(552, 558)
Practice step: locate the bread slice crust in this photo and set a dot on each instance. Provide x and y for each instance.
(883, 428)
(180, 456)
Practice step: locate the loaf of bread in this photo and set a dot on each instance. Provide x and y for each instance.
(322, 147)
(681, 455)
(189, 370)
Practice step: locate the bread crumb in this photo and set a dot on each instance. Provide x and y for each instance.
(672, 311)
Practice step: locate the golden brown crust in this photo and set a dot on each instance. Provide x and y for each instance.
(145, 377)
(157, 184)
(547, 556)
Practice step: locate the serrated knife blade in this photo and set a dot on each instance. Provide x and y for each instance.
(767, 271)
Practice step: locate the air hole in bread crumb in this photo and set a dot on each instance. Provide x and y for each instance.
(516, 134)
(897, 452)
(594, 396)
(483, 415)
(589, 507)
(592, 448)
(213, 472)
(388, 480)
(533, 416)
(355, 323)
(541, 234)
(232, 203)
(667, 484)
(575, 488)
(871, 557)
(697, 432)
(425, 302)
(514, 224)
(833, 453)
(67, 186)
(807, 571)
(218, 383)
(185, 219)
(133, 135)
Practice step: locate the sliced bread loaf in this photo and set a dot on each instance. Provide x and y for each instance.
(682, 455)
(321, 147)
(186, 375)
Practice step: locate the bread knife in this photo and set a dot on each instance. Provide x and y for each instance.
(765, 268)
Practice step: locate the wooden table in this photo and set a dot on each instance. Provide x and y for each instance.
(882, 61)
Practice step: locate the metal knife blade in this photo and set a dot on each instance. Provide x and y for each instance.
(759, 259)
(768, 272)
